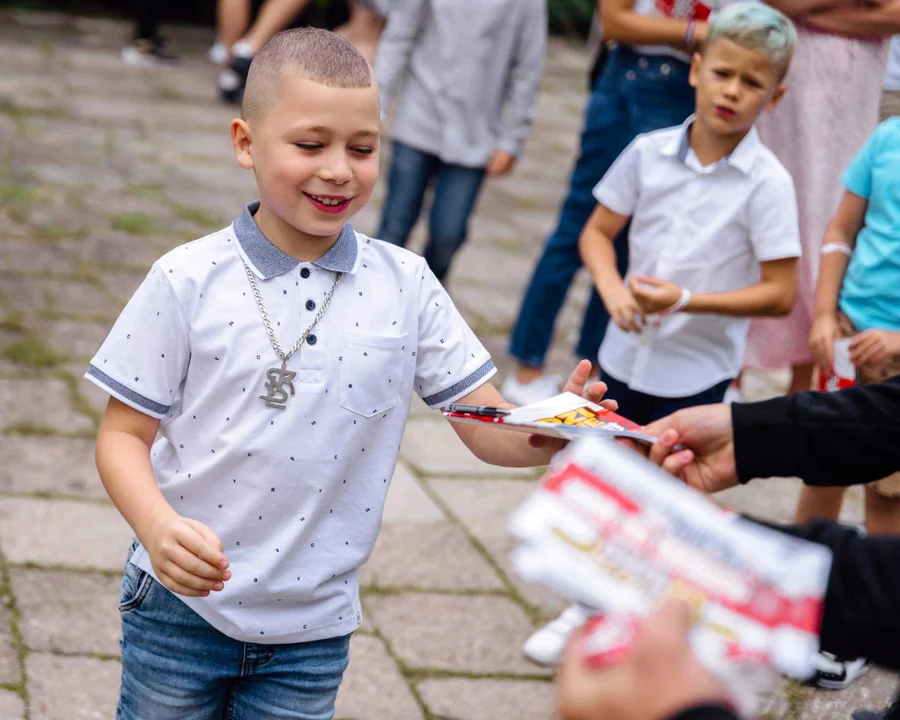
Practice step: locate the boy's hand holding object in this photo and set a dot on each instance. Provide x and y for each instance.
(657, 296)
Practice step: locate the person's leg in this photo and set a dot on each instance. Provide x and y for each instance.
(274, 16)
(883, 507)
(819, 502)
(232, 21)
(801, 379)
(298, 681)
(410, 172)
(146, 20)
(364, 29)
(174, 663)
(455, 192)
(147, 48)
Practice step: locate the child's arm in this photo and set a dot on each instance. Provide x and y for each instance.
(865, 21)
(186, 555)
(772, 296)
(509, 449)
(841, 232)
(599, 256)
(396, 46)
(622, 24)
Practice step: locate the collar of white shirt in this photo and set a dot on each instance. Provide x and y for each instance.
(268, 261)
(742, 157)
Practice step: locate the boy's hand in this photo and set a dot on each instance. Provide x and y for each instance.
(623, 308)
(824, 332)
(652, 294)
(500, 163)
(187, 557)
(874, 347)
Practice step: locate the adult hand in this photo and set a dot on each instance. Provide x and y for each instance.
(654, 295)
(187, 557)
(873, 347)
(824, 332)
(659, 677)
(500, 163)
(705, 433)
(623, 308)
(578, 384)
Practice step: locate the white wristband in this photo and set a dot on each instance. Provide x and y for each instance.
(834, 247)
(678, 306)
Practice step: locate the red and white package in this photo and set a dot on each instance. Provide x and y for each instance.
(610, 530)
(844, 374)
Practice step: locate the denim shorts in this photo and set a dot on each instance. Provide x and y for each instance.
(177, 666)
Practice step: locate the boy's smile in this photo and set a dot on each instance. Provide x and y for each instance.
(315, 156)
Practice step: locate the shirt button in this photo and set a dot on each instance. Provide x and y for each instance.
(630, 75)
(310, 305)
(665, 68)
(311, 340)
(643, 63)
(304, 273)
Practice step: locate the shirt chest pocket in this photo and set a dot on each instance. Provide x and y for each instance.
(372, 372)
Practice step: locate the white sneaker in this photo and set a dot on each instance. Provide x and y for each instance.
(218, 53)
(545, 647)
(833, 673)
(541, 388)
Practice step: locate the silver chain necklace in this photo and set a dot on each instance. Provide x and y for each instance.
(277, 378)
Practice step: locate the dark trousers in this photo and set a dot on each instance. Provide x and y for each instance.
(644, 409)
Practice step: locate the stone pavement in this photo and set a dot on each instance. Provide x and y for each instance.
(102, 169)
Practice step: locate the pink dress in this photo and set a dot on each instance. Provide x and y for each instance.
(830, 109)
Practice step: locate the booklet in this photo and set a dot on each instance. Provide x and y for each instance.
(567, 416)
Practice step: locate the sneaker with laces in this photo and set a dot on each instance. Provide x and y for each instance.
(541, 388)
(147, 52)
(833, 673)
(545, 647)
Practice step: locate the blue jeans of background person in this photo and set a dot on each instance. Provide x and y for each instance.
(176, 666)
(643, 409)
(634, 94)
(455, 192)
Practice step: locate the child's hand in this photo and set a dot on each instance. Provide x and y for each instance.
(652, 294)
(873, 347)
(824, 332)
(623, 308)
(187, 557)
(500, 163)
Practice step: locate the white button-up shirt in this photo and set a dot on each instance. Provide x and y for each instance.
(706, 229)
(474, 69)
(295, 495)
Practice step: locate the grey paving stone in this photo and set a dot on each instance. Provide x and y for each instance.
(70, 688)
(49, 465)
(10, 671)
(17, 256)
(109, 248)
(21, 293)
(96, 397)
(407, 502)
(488, 699)
(85, 534)
(67, 612)
(71, 338)
(373, 688)
(430, 557)
(874, 691)
(47, 405)
(473, 634)
(12, 707)
(78, 297)
(434, 448)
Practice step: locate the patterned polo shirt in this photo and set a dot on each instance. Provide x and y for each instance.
(295, 494)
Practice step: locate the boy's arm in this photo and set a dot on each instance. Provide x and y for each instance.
(841, 233)
(524, 79)
(599, 256)
(622, 24)
(396, 46)
(186, 555)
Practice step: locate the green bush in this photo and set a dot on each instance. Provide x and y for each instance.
(571, 16)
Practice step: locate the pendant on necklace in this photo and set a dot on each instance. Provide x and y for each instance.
(278, 379)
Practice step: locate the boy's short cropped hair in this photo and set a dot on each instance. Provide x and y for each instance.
(758, 27)
(312, 53)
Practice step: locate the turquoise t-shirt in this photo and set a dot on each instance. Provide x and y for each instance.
(870, 295)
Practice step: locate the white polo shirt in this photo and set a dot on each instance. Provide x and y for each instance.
(295, 495)
(706, 229)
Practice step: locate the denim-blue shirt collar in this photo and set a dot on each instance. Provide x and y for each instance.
(269, 261)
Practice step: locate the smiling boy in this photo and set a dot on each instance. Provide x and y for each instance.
(260, 381)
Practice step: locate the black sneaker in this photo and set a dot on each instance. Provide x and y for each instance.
(233, 80)
(891, 713)
(146, 52)
(833, 673)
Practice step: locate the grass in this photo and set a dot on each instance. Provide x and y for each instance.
(12, 323)
(30, 429)
(13, 192)
(133, 223)
(148, 192)
(31, 352)
(204, 219)
(53, 232)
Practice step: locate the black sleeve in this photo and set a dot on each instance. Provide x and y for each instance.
(862, 604)
(706, 712)
(842, 438)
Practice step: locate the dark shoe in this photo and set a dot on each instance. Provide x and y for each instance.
(146, 52)
(233, 80)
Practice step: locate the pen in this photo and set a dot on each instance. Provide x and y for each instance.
(485, 410)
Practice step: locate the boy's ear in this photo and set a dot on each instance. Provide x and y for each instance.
(696, 62)
(242, 142)
(776, 97)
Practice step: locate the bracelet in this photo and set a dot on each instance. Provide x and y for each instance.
(834, 247)
(680, 305)
(689, 33)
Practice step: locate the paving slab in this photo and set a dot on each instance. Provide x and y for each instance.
(54, 465)
(72, 688)
(407, 502)
(12, 707)
(488, 699)
(43, 403)
(373, 688)
(470, 634)
(67, 612)
(10, 670)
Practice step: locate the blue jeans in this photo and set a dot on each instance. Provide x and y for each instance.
(456, 189)
(634, 94)
(176, 666)
(643, 409)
